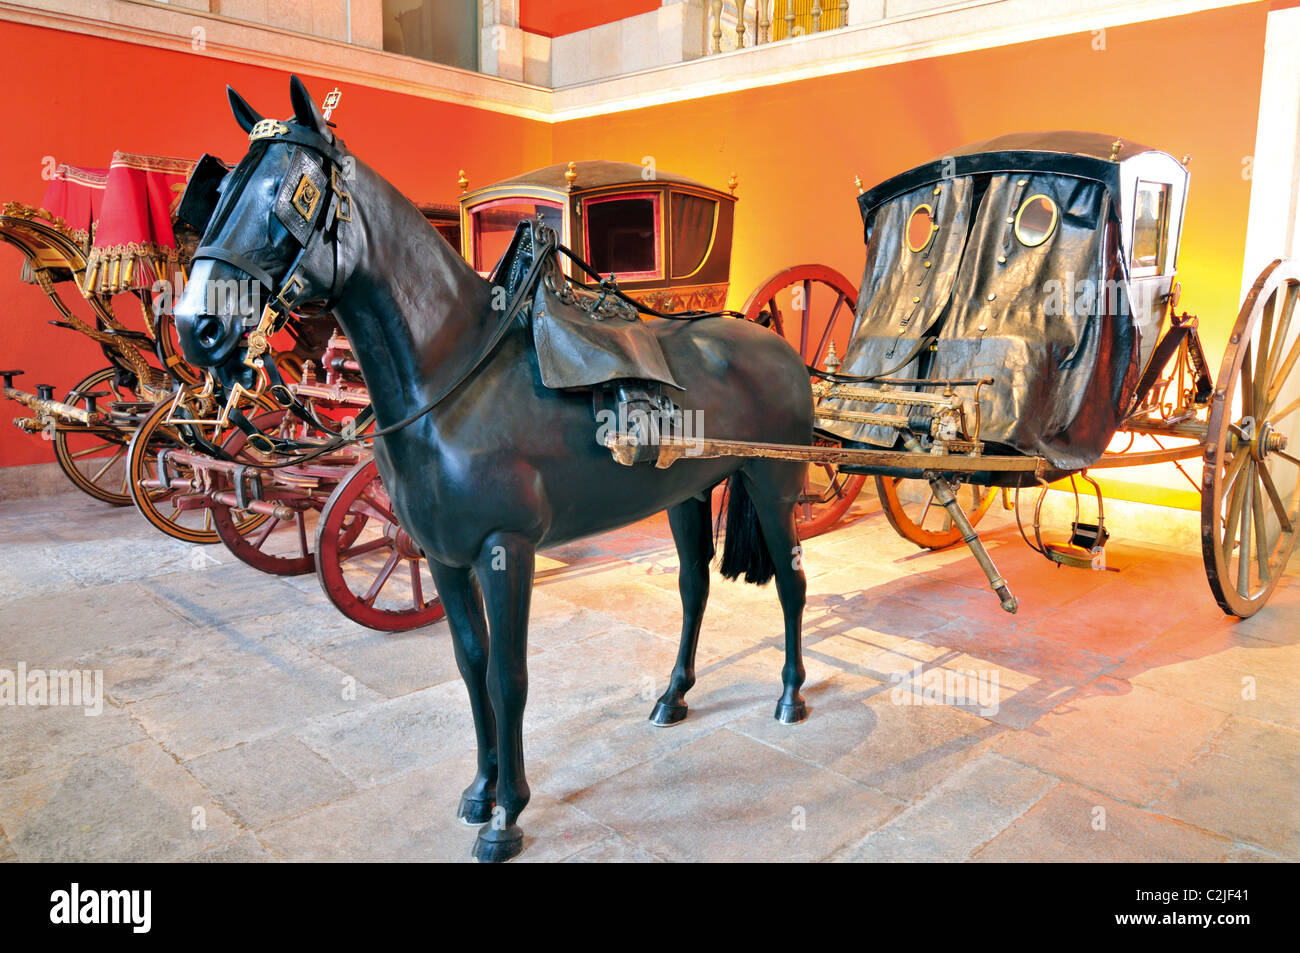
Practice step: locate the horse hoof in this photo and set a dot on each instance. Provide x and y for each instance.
(665, 715)
(505, 845)
(791, 714)
(475, 812)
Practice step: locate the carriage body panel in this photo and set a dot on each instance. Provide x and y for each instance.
(1049, 269)
(667, 238)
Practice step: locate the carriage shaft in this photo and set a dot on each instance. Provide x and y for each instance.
(53, 408)
(623, 449)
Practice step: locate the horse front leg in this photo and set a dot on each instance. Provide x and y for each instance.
(464, 606)
(690, 523)
(505, 573)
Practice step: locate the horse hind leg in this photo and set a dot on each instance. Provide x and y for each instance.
(690, 523)
(464, 606)
(773, 489)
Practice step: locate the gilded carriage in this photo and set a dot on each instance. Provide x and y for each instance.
(665, 237)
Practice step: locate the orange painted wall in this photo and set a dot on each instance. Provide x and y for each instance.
(795, 148)
(1186, 85)
(557, 17)
(84, 108)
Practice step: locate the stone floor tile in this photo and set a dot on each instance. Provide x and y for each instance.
(127, 804)
(265, 781)
(34, 737)
(1246, 784)
(775, 807)
(176, 661)
(52, 629)
(204, 718)
(1073, 824)
(1123, 741)
(244, 849)
(867, 731)
(972, 806)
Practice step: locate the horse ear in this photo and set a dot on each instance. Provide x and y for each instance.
(245, 115)
(305, 109)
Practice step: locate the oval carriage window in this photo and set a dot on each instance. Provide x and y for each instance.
(1036, 220)
(920, 228)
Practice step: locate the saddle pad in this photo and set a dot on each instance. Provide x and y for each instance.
(575, 349)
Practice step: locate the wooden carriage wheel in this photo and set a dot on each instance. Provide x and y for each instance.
(369, 567)
(95, 460)
(160, 507)
(1250, 491)
(812, 306)
(282, 547)
(914, 513)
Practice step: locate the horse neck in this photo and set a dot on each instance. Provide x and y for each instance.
(414, 312)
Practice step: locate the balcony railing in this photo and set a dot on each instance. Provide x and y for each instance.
(735, 24)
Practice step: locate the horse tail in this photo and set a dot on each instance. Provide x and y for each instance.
(744, 550)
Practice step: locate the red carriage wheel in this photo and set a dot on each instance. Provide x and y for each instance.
(368, 565)
(280, 546)
(812, 307)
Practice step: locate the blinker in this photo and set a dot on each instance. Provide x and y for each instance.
(299, 200)
(202, 192)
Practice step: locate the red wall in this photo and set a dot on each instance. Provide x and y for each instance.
(1188, 85)
(557, 17)
(89, 106)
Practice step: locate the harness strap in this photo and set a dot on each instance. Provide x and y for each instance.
(242, 262)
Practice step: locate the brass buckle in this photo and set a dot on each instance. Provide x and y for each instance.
(266, 129)
(283, 298)
(344, 211)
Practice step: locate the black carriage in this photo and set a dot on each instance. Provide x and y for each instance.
(1017, 311)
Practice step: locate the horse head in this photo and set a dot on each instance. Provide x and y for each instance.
(271, 244)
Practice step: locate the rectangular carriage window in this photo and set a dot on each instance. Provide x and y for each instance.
(492, 225)
(622, 235)
(1150, 228)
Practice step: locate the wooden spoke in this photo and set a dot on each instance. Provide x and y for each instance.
(377, 586)
(1261, 528)
(417, 588)
(361, 591)
(1285, 412)
(1279, 508)
(1243, 538)
(369, 547)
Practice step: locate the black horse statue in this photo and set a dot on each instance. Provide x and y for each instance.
(483, 463)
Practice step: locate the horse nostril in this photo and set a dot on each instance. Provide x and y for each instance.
(207, 331)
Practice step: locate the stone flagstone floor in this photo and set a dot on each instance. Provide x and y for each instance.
(1124, 729)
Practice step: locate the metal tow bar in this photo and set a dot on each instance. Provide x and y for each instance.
(943, 493)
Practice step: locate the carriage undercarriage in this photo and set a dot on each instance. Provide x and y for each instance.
(1235, 424)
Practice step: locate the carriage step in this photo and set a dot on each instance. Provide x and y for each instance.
(1086, 548)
